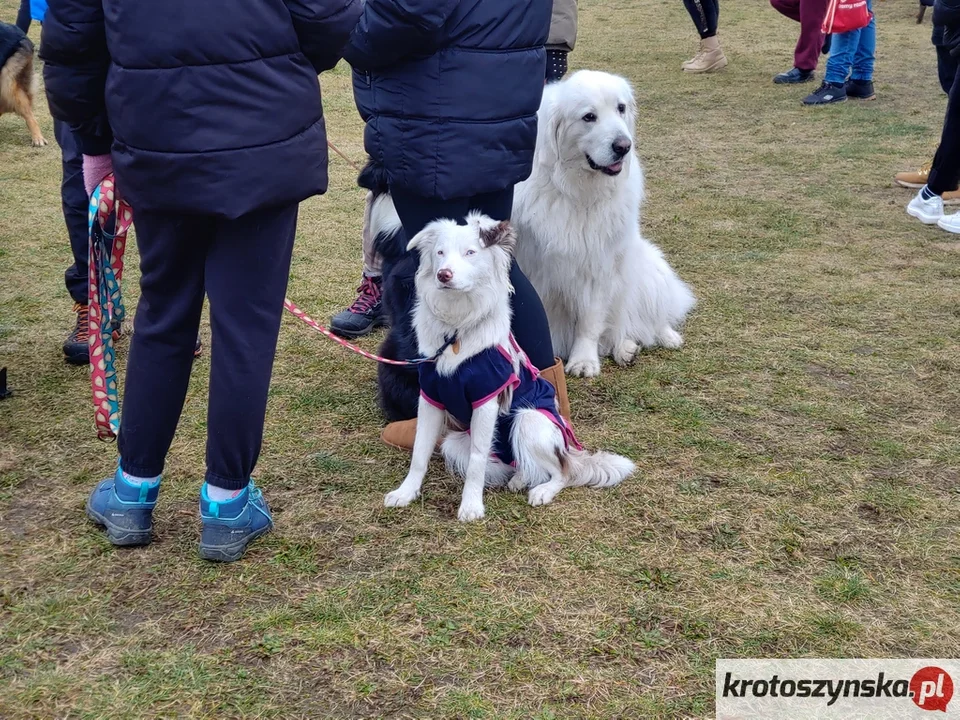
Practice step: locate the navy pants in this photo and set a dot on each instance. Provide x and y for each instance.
(945, 172)
(530, 326)
(73, 197)
(242, 266)
(947, 68)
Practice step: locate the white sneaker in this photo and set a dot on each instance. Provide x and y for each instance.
(929, 211)
(950, 223)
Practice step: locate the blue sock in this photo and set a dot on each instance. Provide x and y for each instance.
(927, 193)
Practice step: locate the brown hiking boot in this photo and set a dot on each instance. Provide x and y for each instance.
(76, 348)
(401, 434)
(710, 58)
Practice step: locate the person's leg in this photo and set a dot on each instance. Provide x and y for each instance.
(703, 14)
(841, 58)
(948, 68)
(788, 8)
(810, 42)
(23, 16)
(158, 370)
(945, 173)
(416, 211)
(247, 268)
(709, 57)
(74, 201)
(865, 55)
(530, 326)
(172, 251)
(366, 313)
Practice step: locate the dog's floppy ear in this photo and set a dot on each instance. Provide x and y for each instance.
(549, 117)
(423, 239)
(501, 234)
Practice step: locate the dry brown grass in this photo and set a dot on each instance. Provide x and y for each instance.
(798, 486)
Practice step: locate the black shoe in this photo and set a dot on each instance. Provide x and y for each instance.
(366, 313)
(794, 77)
(860, 89)
(826, 94)
(827, 42)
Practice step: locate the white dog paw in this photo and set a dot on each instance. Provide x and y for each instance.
(625, 352)
(671, 339)
(400, 497)
(584, 367)
(470, 511)
(542, 494)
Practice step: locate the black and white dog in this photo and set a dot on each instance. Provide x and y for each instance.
(398, 390)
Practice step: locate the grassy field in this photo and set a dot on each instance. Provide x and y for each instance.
(799, 484)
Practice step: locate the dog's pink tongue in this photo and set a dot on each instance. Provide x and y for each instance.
(615, 167)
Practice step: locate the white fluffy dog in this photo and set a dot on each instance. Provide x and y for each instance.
(508, 430)
(606, 289)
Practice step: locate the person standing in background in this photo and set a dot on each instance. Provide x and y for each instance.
(811, 43)
(74, 200)
(948, 68)
(850, 66)
(366, 313)
(927, 206)
(709, 58)
(449, 92)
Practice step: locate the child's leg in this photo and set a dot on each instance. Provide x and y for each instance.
(842, 52)
(172, 254)
(247, 268)
(865, 55)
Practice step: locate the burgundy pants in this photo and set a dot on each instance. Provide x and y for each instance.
(810, 14)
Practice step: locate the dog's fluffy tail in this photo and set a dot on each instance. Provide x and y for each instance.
(598, 470)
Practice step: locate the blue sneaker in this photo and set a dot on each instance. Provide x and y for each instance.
(228, 527)
(124, 509)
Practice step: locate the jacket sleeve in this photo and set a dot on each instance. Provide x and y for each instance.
(73, 47)
(563, 25)
(323, 27)
(390, 30)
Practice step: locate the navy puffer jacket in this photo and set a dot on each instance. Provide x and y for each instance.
(210, 107)
(450, 90)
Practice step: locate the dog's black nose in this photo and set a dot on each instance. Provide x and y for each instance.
(445, 276)
(621, 146)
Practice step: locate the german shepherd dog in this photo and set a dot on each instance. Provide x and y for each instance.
(17, 86)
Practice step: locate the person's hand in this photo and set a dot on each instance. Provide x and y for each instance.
(95, 169)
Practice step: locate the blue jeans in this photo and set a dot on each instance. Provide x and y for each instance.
(853, 54)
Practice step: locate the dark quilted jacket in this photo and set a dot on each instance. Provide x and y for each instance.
(450, 90)
(210, 106)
